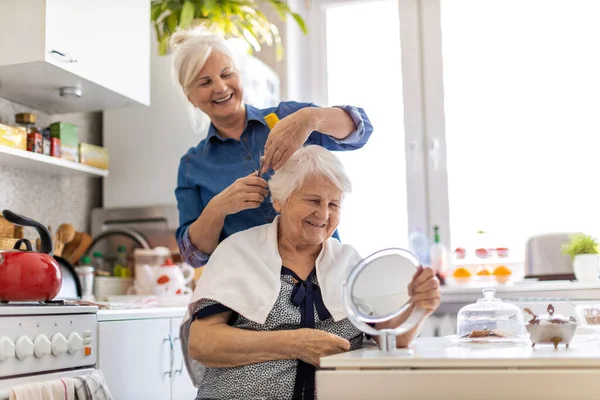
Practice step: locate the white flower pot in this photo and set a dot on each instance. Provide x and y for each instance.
(586, 267)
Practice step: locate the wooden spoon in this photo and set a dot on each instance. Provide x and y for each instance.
(65, 233)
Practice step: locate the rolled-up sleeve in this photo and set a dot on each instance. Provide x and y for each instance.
(189, 252)
(363, 126)
(355, 140)
(189, 204)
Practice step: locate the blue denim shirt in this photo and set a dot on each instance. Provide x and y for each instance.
(213, 165)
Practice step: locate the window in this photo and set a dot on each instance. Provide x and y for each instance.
(520, 86)
(492, 102)
(364, 69)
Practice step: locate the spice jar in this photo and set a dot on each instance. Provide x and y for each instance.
(34, 137)
(46, 141)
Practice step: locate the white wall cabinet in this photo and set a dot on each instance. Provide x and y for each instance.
(142, 359)
(99, 46)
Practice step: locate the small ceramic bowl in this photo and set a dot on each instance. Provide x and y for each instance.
(550, 328)
(552, 334)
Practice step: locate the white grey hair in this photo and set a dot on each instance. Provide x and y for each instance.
(310, 161)
(190, 50)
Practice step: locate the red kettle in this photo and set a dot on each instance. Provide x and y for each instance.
(29, 275)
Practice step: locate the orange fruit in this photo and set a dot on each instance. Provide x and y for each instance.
(461, 273)
(502, 271)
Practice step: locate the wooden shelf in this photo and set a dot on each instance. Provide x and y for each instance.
(46, 164)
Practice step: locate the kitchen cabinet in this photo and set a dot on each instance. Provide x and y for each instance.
(181, 384)
(436, 368)
(101, 47)
(140, 355)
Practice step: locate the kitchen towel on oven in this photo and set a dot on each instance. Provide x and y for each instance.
(58, 389)
(91, 387)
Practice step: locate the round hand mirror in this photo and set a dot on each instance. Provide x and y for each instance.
(376, 291)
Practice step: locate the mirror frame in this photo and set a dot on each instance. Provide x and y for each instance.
(362, 321)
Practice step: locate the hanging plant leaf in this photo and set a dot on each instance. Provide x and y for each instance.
(249, 35)
(155, 11)
(163, 45)
(172, 21)
(300, 22)
(230, 18)
(207, 7)
(187, 15)
(280, 7)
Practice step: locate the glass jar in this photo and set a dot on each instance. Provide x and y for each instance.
(490, 317)
(34, 136)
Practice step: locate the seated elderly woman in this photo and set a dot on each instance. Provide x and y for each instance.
(269, 304)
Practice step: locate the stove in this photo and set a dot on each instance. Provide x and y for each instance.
(39, 340)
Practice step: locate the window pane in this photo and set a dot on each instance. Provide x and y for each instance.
(521, 85)
(364, 69)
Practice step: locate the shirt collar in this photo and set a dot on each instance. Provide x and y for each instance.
(252, 114)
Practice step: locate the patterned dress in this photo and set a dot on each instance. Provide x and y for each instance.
(299, 305)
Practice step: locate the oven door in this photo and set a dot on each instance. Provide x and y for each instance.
(6, 384)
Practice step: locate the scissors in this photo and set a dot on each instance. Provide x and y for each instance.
(261, 163)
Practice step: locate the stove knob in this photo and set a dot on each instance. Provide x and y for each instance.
(59, 344)
(42, 346)
(24, 347)
(75, 343)
(7, 348)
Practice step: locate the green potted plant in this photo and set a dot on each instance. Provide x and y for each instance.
(240, 19)
(583, 249)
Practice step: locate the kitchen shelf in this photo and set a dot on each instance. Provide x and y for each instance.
(46, 164)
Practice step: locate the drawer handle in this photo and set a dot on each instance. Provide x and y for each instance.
(169, 373)
(64, 56)
(180, 370)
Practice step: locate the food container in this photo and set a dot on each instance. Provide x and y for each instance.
(105, 286)
(94, 156)
(550, 328)
(69, 140)
(13, 136)
(490, 319)
(589, 317)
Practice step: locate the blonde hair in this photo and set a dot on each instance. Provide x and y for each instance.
(190, 49)
(308, 162)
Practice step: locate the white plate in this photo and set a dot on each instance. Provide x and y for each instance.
(490, 340)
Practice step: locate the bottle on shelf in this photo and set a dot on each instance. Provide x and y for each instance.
(121, 268)
(440, 260)
(101, 267)
(419, 245)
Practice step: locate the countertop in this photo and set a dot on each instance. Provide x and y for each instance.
(442, 353)
(121, 314)
(469, 293)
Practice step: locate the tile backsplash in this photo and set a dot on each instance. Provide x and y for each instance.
(52, 199)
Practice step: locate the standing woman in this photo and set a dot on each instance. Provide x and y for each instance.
(219, 191)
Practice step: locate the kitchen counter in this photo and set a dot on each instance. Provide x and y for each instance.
(579, 289)
(443, 353)
(454, 297)
(120, 314)
(434, 368)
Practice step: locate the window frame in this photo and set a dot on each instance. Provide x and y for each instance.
(425, 204)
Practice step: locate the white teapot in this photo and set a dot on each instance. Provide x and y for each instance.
(169, 279)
